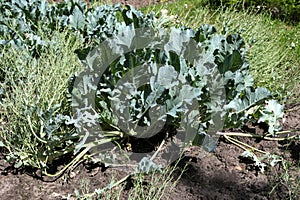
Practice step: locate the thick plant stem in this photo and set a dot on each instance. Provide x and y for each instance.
(80, 156)
(265, 137)
(33, 132)
(243, 145)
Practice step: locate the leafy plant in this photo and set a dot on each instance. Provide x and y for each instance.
(124, 104)
(34, 78)
(192, 75)
(34, 107)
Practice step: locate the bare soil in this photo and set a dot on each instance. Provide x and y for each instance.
(137, 3)
(223, 174)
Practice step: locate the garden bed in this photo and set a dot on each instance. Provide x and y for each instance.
(223, 174)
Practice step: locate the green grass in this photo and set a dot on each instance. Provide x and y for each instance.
(274, 62)
(287, 180)
(33, 87)
(273, 54)
(154, 185)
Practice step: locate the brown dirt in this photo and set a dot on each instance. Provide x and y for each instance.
(223, 174)
(137, 3)
(219, 175)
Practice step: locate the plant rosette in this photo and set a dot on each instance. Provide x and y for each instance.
(140, 83)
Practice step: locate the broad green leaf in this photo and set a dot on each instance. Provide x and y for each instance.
(178, 39)
(167, 76)
(77, 19)
(146, 166)
(188, 94)
(204, 32)
(271, 114)
(250, 99)
(232, 62)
